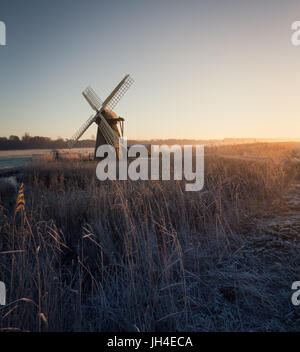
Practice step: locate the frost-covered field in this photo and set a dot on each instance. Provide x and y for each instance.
(85, 255)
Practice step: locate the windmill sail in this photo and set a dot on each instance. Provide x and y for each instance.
(112, 100)
(81, 131)
(92, 98)
(108, 133)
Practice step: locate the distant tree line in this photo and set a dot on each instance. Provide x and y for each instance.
(37, 142)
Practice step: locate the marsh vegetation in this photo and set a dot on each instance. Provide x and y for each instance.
(78, 254)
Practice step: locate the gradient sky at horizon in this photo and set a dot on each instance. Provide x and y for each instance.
(202, 69)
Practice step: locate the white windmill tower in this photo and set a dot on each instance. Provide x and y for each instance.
(110, 126)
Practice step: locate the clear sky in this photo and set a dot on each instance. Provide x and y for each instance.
(202, 69)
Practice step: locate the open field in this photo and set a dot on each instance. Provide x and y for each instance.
(78, 254)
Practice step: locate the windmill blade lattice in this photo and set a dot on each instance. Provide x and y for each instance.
(118, 93)
(81, 131)
(92, 98)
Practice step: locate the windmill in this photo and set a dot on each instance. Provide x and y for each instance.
(110, 126)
